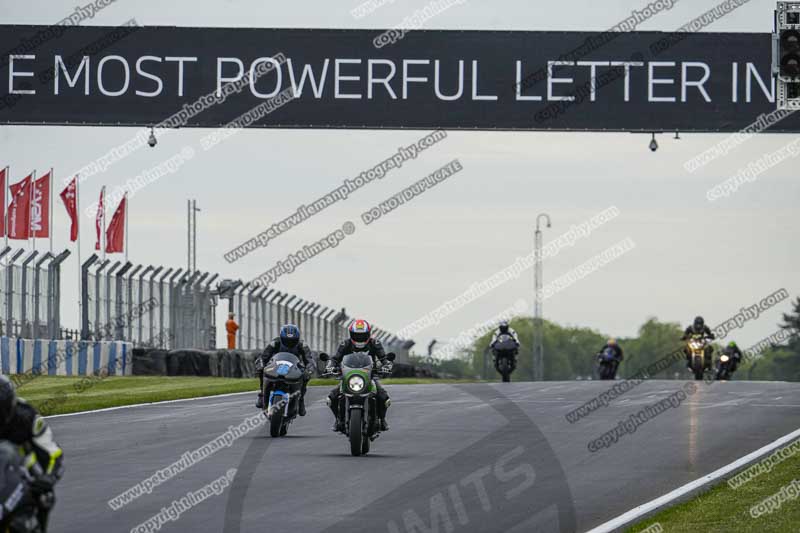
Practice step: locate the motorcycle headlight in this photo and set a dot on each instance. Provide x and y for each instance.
(356, 383)
(694, 345)
(724, 358)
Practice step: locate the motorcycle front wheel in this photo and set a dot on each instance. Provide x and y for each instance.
(356, 432)
(276, 424)
(697, 368)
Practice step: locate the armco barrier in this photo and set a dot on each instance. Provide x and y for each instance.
(220, 363)
(64, 357)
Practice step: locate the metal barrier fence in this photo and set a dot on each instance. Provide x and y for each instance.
(149, 306)
(159, 307)
(261, 312)
(31, 293)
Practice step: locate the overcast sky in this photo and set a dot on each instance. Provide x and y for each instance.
(691, 256)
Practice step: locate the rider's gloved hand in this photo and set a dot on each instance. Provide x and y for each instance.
(43, 484)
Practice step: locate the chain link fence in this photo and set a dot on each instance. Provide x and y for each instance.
(155, 307)
(159, 307)
(30, 294)
(261, 312)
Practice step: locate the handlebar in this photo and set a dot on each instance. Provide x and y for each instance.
(381, 371)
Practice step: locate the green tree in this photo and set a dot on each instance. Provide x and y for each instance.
(568, 351)
(779, 362)
(656, 340)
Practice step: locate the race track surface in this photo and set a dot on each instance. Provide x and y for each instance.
(474, 457)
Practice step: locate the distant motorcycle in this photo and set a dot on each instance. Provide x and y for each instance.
(504, 351)
(283, 379)
(357, 407)
(607, 363)
(22, 511)
(697, 350)
(724, 367)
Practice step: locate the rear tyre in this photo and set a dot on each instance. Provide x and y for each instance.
(276, 424)
(284, 429)
(506, 377)
(356, 432)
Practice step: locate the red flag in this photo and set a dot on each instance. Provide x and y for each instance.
(40, 207)
(19, 211)
(2, 202)
(70, 198)
(115, 235)
(98, 219)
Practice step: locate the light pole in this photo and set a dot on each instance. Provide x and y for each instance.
(537, 362)
(191, 235)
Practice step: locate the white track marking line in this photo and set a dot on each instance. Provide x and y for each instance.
(151, 403)
(638, 512)
(163, 402)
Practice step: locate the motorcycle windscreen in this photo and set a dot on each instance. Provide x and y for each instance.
(505, 343)
(357, 360)
(284, 365)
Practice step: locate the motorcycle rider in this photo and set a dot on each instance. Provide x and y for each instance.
(733, 351)
(287, 341)
(613, 345)
(504, 329)
(698, 327)
(22, 425)
(21, 515)
(361, 340)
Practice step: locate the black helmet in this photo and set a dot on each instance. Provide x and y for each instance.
(699, 323)
(8, 400)
(504, 326)
(290, 335)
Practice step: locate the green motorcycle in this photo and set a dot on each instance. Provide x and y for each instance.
(357, 408)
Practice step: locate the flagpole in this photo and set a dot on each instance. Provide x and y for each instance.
(5, 205)
(30, 210)
(78, 251)
(50, 212)
(127, 207)
(103, 231)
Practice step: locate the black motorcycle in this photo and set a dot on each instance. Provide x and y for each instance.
(20, 510)
(607, 364)
(504, 351)
(283, 380)
(724, 367)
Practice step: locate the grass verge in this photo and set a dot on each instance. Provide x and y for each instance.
(724, 509)
(53, 395)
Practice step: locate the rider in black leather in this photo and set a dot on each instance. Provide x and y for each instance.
(22, 425)
(288, 341)
(733, 351)
(361, 340)
(698, 327)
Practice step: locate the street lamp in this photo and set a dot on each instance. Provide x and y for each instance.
(537, 366)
